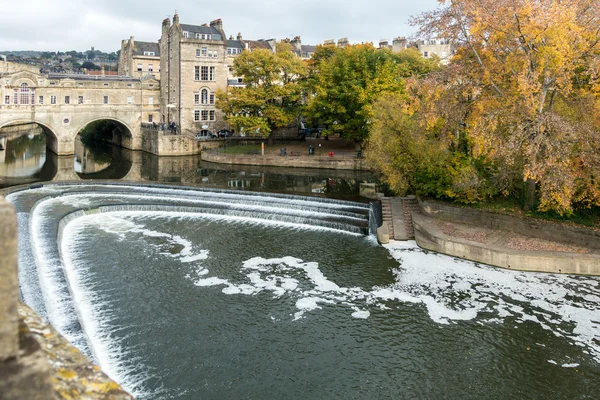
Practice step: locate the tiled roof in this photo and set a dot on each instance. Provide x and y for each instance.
(200, 29)
(258, 44)
(235, 44)
(308, 48)
(141, 47)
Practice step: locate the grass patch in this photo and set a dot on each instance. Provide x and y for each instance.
(252, 148)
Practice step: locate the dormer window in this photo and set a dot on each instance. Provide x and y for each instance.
(186, 34)
(149, 53)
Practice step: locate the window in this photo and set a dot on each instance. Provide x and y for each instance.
(204, 52)
(151, 100)
(212, 98)
(52, 83)
(105, 99)
(139, 67)
(186, 34)
(425, 54)
(204, 115)
(149, 117)
(212, 115)
(149, 53)
(150, 68)
(212, 53)
(212, 73)
(204, 96)
(196, 115)
(196, 98)
(196, 73)
(25, 94)
(204, 73)
(232, 50)
(67, 99)
(41, 100)
(7, 99)
(52, 99)
(197, 52)
(129, 100)
(80, 100)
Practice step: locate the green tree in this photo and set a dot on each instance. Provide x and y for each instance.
(90, 54)
(344, 83)
(272, 94)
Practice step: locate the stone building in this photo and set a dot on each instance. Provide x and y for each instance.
(193, 68)
(438, 47)
(196, 61)
(139, 59)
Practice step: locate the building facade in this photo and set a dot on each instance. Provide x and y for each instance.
(139, 59)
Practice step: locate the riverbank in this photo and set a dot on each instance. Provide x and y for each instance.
(507, 241)
(336, 154)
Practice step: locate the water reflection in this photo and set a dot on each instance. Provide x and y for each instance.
(93, 156)
(25, 160)
(23, 157)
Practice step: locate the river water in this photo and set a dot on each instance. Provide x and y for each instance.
(183, 293)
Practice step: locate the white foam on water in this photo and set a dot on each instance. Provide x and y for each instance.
(361, 314)
(571, 365)
(552, 362)
(450, 289)
(552, 301)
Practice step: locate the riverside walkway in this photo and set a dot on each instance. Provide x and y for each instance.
(496, 239)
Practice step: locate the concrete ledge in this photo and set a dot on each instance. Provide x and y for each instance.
(429, 237)
(288, 161)
(547, 230)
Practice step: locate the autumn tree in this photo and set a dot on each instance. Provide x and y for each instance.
(522, 92)
(272, 94)
(344, 82)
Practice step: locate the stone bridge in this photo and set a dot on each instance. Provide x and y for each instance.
(65, 104)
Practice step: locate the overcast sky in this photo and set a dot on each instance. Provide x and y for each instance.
(79, 24)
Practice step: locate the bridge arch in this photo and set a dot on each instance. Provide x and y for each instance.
(122, 126)
(50, 131)
(107, 158)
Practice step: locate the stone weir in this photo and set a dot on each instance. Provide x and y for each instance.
(36, 361)
(44, 211)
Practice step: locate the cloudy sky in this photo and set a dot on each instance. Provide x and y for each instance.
(79, 24)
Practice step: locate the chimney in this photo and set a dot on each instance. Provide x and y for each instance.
(343, 42)
(176, 19)
(239, 36)
(399, 44)
(383, 43)
(217, 23)
(296, 44)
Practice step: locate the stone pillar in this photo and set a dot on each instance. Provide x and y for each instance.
(9, 319)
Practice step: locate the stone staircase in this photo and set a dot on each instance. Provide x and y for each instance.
(397, 215)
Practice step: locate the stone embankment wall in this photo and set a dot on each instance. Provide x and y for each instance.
(163, 144)
(288, 161)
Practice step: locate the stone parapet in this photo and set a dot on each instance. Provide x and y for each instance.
(289, 161)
